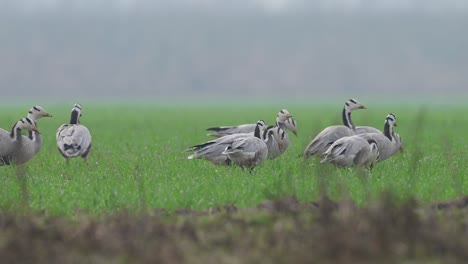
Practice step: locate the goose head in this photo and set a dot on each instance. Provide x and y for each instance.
(282, 116)
(261, 124)
(286, 119)
(391, 120)
(37, 112)
(25, 124)
(353, 104)
(75, 114)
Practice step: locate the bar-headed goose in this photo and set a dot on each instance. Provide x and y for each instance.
(12, 143)
(248, 152)
(326, 137)
(278, 143)
(352, 151)
(388, 142)
(74, 139)
(283, 119)
(34, 114)
(213, 150)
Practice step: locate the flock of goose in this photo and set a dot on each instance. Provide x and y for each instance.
(73, 139)
(344, 145)
(246, 145)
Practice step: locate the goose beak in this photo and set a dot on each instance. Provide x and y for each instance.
(45, 114)
(362, 107)
(401, 149)
(36, 130)
(294, 132)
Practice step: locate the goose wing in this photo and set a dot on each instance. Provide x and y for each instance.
(385, 147)
(366, 129)
(247, 152)
(73, 140)
(6, 143)
(325, 139)
(348, 151)
(213, 150)
(229, 130)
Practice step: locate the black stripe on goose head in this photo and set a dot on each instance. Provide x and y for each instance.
(29, 121)
(391, 117)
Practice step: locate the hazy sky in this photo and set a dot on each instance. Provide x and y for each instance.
(272, 6)
(209, 49)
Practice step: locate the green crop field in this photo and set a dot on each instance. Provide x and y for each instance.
(137, 163)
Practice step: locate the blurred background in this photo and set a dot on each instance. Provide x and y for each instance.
(224, 50)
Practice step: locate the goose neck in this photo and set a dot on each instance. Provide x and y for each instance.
(75, 115)
(346, 115)
(281, 125)
(257, 132)
(388, 131)
(15, 132)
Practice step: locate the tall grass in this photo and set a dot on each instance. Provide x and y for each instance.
(137, 161)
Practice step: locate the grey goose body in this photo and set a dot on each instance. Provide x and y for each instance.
(74, 139)
(327, 136)
(14, 147)
(388, 142)
(283, 119)
(352, 151)
(214, 150)
(278, 142)
(247, 152)
(35, 113)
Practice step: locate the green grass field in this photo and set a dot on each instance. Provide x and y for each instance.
(137, 163)
(140, 200)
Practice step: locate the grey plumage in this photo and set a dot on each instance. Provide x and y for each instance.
(214, 150)
(366, 129)
(36, 112)
(247, 152)
(326, 137)
(15, 148)
(278, 143)
(74, 139)
(388, 142)
(283, 119)
(352, 151)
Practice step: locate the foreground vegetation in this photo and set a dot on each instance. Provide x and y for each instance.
(138, 199)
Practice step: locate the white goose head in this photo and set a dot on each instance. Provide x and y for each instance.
(349, 106)
(261, 124)
(37, 112)
(285, 120)
(282, 116)
(353, 104)
(75, 114)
